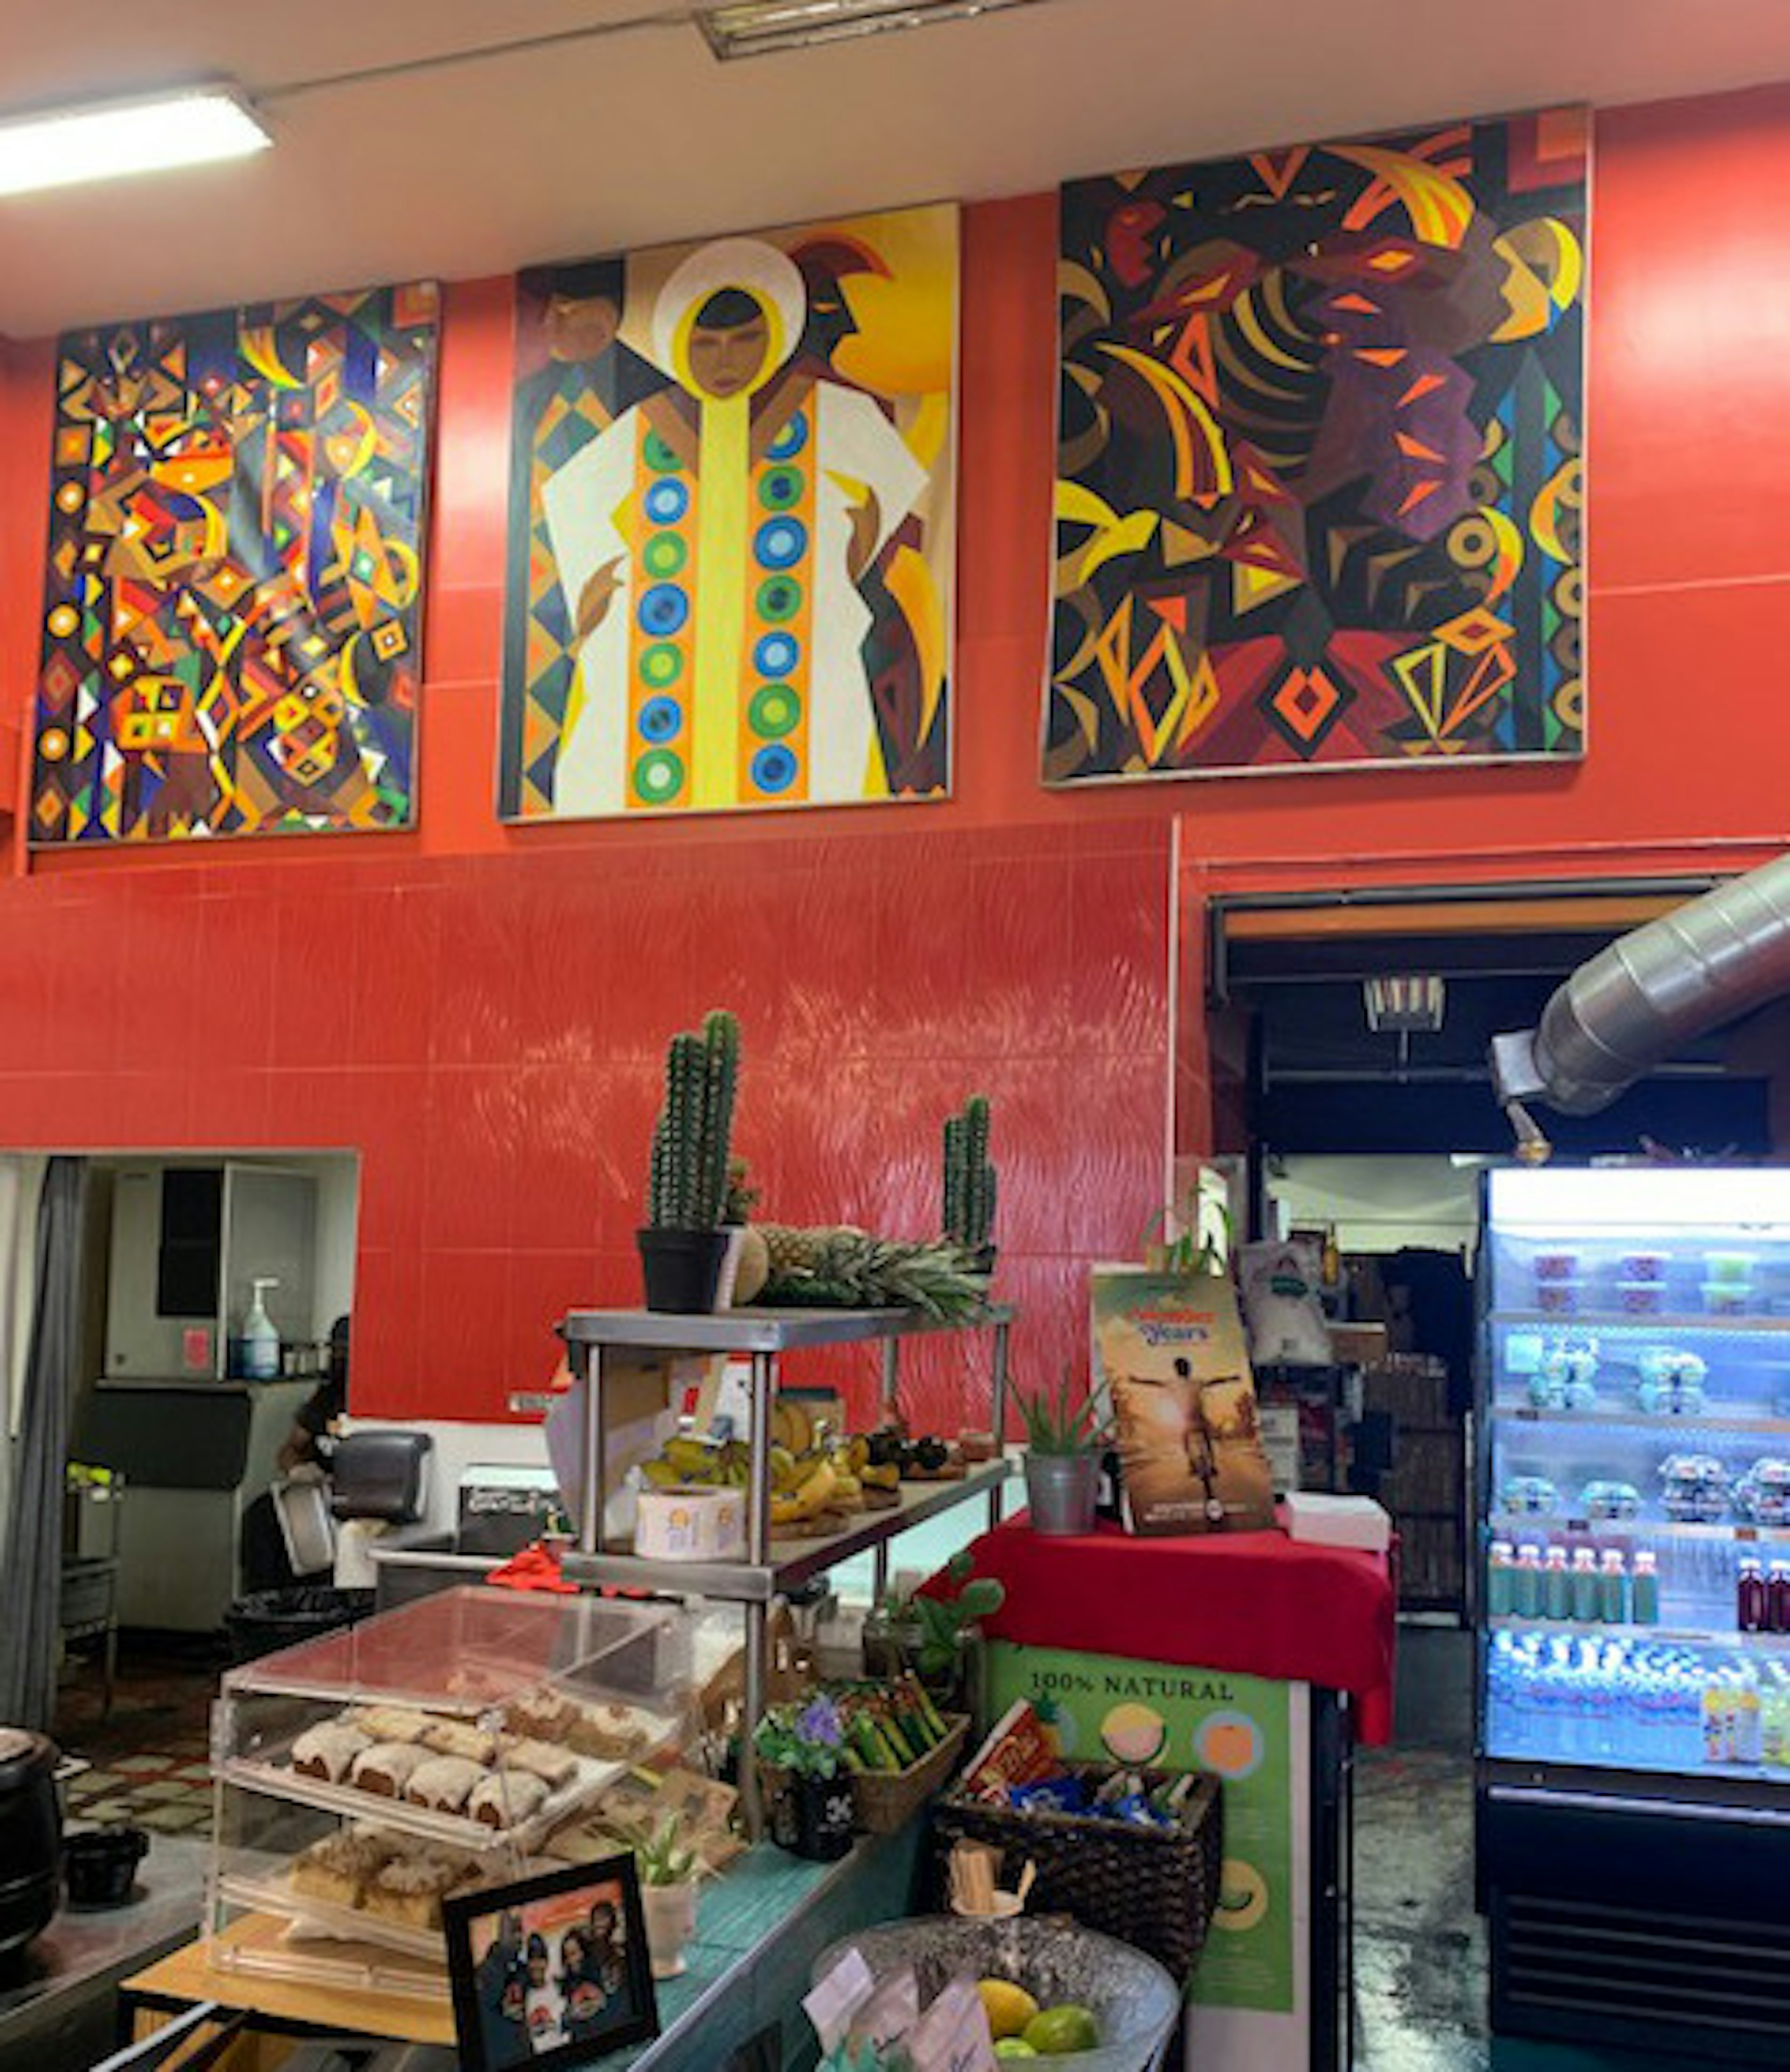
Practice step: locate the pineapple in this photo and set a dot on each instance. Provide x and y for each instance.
(836, 1267)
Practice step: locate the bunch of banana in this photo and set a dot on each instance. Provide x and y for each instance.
(802, 1489)
(706, 1463)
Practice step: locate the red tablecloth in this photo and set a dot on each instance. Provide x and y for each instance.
(1256, 1603)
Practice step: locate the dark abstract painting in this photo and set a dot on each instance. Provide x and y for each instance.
(232, 604)
(1320, 475)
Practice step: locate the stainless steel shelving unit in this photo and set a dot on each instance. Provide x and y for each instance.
(771, 1566)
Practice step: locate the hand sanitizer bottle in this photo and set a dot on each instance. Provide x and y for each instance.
(261, 1341)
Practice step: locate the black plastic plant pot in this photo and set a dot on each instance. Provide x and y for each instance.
(681, 1268)
(100, 1867)
(824, 1814)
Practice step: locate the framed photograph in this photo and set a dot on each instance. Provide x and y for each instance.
(552, 1970)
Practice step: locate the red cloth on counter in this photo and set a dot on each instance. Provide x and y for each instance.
(1256, 1603)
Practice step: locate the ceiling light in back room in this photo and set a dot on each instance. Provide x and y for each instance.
(104, 140)
(752, 28)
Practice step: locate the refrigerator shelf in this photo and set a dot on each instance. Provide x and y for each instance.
(1513, 1525)
(1764, 1643)
(1705, 1323)
(1707, 1419)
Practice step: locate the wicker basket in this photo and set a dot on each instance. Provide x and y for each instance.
(888, 1800)
(1154, 1888)
(884, 1801)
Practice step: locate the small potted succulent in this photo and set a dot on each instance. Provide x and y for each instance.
(682, 1244)
(669, 1866)
(1064, 1444)
(813, 1810)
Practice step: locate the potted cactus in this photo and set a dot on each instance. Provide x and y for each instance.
(681, 1242)
(669, 1865)
(970, 1184)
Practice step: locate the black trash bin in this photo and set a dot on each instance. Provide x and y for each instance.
(268, 1620)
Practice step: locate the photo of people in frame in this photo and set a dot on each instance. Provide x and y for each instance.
(546, 1969)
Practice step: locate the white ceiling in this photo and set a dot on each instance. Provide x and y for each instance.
(638, 137)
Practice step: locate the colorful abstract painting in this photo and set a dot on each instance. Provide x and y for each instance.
(733, 524)
(1320, 475)
(233, 606)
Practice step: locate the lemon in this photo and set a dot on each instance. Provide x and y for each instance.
(1054, 2031)
(1013, 2046)
(1010, 2006)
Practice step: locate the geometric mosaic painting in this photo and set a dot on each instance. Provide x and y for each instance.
(1320, 470)
(234, 600)
(732, 531)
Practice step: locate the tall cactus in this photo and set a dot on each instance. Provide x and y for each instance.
(970, 1186)
(689, 1174)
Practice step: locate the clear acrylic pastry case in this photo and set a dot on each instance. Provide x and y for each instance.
(473, 1664)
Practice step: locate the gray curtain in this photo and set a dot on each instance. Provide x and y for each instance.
(33, 1557)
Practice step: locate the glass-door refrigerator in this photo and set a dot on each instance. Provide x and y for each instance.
(1633, 1683)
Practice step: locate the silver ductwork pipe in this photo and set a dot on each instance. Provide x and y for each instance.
(1650, 992)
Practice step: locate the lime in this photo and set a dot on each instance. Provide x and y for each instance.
(1010, 2006)
(1054, 2031)
(1013, 2046)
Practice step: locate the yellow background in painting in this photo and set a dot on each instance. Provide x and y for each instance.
(907, 325)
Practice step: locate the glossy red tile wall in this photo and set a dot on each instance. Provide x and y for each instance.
(480, 1010)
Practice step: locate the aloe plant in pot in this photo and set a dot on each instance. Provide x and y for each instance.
(1064, 1444)
(669, 1865)
(682, 1244)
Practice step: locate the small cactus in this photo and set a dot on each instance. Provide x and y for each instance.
(687, 1179)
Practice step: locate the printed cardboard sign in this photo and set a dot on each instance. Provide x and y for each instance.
(1169, 1350)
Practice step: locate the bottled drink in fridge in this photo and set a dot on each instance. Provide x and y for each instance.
(1526, 1583)
(1587, 1596)
(1778, 1588)
(1644, 1588)
(1752, 1599)
(1556, 1586)
(1500, 1581)
(1612, 1588)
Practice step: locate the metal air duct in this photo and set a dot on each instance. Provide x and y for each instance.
(1652, 991)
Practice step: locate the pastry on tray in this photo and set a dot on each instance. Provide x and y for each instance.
(554, 1765)
(459, 1737)
(340, 1868)
(410, 1888)
(618, 1733)
(389, 1722)
(541, 1716)
(328, 1751)
(507, 1796)
(443, 1782)
(387, 1767)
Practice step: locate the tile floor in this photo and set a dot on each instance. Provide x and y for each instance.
(148, 1761)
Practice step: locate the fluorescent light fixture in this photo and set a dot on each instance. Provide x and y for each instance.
(104, 140)
(751, 28)
(1405, 1000)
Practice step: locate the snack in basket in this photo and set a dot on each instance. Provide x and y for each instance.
(1018, 1751)
(552, 1765)
(541, 1716)
(389, 1722)
(504, 1797)
(387, 1767)
(443, 1783)
(327, 1751)
(339, 1868)
(410, 1889)
(460, 1738)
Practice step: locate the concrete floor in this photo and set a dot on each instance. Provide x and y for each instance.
(1420, 1950)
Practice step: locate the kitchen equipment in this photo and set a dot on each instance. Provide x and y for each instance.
(100, 1867)
(31, 1835)
(380, 1475)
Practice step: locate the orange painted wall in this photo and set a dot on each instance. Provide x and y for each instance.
(480, 1010)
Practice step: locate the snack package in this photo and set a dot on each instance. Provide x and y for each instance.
(1281, 1301)
(1169, 1349)
(1018, 1750)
